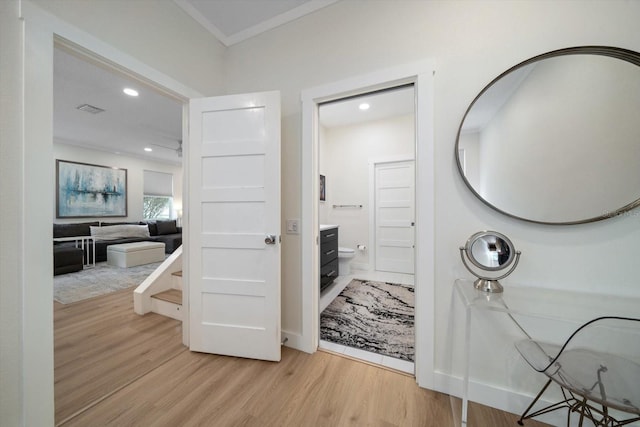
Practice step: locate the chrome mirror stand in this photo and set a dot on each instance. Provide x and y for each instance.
(489, 251)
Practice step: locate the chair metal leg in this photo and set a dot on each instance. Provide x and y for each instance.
(583, 408)
(524, 414)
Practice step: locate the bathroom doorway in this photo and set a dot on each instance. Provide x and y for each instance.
(367, 146)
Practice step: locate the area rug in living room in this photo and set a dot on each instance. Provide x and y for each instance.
(101, 280)
(372, 316)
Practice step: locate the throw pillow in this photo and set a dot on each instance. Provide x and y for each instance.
(167, 227)
(114, 232)
(73, 229)
(153, 228)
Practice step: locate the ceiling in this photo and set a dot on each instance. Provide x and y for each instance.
(152, 120)
(128, 125)
(232, 21)
(382, 105)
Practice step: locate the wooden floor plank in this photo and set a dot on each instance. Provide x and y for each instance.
(101, 345)
(139, 373)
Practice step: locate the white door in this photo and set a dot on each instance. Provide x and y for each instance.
(394, 216)
(234, 225)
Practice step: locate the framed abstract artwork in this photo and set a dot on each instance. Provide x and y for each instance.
(84, 190)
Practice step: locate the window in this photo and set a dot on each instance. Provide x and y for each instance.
(157, 202)
(157, 207)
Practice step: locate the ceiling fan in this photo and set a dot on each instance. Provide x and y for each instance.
(178, 150)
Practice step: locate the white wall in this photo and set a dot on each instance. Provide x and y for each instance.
(135, 182)
(158, 33)
(345, 161)
(471, 43)
(11, 245)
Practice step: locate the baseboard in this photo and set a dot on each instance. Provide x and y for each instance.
(495, 397)
(295, 341)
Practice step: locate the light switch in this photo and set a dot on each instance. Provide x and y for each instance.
(292, 226)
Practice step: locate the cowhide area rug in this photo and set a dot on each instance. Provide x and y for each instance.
(373, 316)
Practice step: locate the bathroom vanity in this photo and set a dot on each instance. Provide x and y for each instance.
(328, 255)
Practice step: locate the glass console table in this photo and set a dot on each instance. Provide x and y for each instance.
(525, 307)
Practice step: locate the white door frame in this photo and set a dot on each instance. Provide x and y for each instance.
(372, 197)
(163, 84)
(95, 50)
(41, 29)
(421, 75)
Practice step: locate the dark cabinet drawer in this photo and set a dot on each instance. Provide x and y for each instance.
(328, 256)
(328, 235)
(328, 273)
(328, 252)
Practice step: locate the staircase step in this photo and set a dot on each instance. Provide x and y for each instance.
(172, 295)
(177, 273)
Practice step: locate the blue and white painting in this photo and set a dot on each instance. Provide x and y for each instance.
(86, 190)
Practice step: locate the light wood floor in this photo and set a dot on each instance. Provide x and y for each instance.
(139, 374)
(101, 345)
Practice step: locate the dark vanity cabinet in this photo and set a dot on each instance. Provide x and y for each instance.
(328, 256)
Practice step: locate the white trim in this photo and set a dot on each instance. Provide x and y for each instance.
(202, 20)
(421, 75)
(294, 340)
(496, 397)
(269, 24)
(425, 230)
(309, 227)
(372, 197)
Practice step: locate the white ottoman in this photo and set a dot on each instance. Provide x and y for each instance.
(132, 254)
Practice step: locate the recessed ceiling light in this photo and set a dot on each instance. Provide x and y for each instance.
(364, 106)
(130, 92)
(148, 149)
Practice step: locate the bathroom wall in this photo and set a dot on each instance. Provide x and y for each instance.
(322, 167)
(345, 153)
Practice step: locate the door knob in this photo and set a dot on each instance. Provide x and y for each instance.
(270, 239)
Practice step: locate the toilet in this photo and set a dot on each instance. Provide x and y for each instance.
(344, 260)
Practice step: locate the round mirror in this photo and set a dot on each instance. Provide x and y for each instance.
(556, 139)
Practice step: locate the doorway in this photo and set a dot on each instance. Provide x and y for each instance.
(88, 360)
(367, 309)
(421, 75)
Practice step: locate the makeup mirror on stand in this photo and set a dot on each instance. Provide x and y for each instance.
(492, 252)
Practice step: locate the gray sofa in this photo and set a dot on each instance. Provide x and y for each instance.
(166, 232)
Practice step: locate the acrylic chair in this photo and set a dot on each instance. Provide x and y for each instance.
(597, 369)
